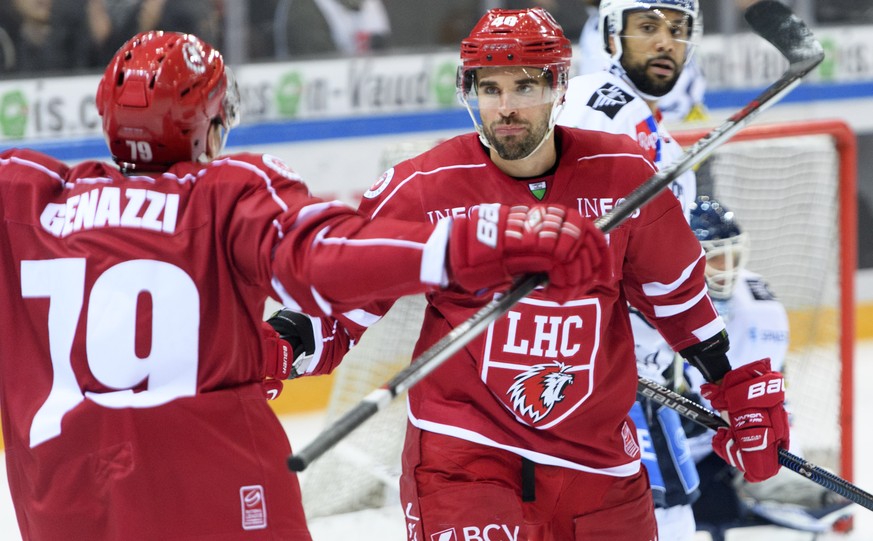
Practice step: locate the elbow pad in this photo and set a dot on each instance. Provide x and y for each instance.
(710, 357)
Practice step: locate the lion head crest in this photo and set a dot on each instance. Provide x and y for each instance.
(536, 390)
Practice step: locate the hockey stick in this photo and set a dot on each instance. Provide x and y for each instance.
(769, 19)
(693, 411)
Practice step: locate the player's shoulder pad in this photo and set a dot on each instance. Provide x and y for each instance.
(458, 150)
(28, 156)
(269, 163)
(596, 142)
(759, 288)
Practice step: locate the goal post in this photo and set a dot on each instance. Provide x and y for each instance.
(793, 188)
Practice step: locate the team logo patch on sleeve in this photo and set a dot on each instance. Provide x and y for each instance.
(609, 99)
(379, 186)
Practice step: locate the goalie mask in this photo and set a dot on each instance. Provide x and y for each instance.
(725, 245)
(528, 39)
(160, 95)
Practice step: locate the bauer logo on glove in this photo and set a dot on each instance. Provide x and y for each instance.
(753, 397)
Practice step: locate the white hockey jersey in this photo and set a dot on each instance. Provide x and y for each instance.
(756, 322)
(603, 101)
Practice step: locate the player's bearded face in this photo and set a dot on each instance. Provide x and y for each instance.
(515, 105)
(654, 46)
(640, 74)
(513, 137)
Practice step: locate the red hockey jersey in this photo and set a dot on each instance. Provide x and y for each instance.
(131, 362)
(551, 382)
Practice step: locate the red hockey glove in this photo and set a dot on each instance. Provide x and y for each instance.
(498, 242)
(278, 356)
(752, 395)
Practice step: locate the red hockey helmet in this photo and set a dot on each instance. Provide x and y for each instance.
(526, 37)
(158, 97)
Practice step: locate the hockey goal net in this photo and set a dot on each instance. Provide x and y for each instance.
(792, 185)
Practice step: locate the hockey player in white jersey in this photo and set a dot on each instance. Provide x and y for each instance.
(684, 103)
(685, 474)
(756, 321)
(649, 43)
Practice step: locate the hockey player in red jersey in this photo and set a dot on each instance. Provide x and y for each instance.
(132, 360)
(525, 434)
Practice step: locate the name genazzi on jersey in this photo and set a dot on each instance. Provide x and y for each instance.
(108, 207)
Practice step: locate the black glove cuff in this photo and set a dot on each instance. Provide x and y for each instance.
(296, 329)
(710, 357)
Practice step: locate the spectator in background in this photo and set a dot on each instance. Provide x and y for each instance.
(306, 33)
(85, 33)
(27, 37)
(284, 29)
(566, 12)
(112, 22)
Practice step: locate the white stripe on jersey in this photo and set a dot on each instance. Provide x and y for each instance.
(417, 173)
(624, 470)
(433, 259)
(254, 169)
(710, 329)
(620, 155)
(668, 310)
(655, 289)
(35, 165)
(362, 317)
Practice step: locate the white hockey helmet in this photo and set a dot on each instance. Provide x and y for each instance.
(612, 19)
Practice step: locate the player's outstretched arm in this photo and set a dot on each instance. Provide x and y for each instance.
(328, 267)
(485, 250)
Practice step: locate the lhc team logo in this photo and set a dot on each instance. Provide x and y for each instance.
(539, 359)
(193, 58)
(379, 186)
